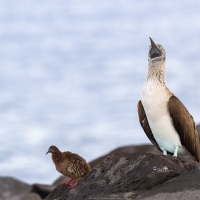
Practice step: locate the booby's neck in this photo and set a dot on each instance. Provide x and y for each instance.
(156, 75)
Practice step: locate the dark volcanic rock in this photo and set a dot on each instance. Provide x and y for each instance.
(124, 175)
(12, 189)
(42, 190)
(126, 149)
(31, 196)
(145, 148)
(184, 187)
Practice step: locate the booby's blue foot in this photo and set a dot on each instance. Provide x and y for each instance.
(164, 152)
(176, 151)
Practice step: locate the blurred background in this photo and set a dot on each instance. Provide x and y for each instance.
(71, 74)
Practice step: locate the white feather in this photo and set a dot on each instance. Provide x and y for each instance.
(155, 98)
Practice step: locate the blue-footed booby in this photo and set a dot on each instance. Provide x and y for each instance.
(165, 120)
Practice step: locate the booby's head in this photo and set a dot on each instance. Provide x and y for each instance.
(157, 54)
(53, 149)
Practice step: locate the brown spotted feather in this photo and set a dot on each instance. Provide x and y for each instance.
(69, 164)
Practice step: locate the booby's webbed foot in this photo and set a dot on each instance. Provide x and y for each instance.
(164, 152)
(176, 151)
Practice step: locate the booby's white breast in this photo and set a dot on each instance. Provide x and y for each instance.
(154, 100)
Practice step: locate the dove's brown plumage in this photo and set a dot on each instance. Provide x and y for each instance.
(69, 164)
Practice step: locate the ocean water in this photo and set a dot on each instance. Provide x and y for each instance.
(71, 74)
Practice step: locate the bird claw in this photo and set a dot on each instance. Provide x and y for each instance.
(73, 185)
(67, 183)
(70, 185)
(176, 151)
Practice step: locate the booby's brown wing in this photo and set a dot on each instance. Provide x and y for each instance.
(185, 126)
(145, 125)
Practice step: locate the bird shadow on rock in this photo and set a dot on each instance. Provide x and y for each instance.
(125, 173)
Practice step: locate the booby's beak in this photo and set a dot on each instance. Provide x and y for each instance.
(47, 152)
(154, 50)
